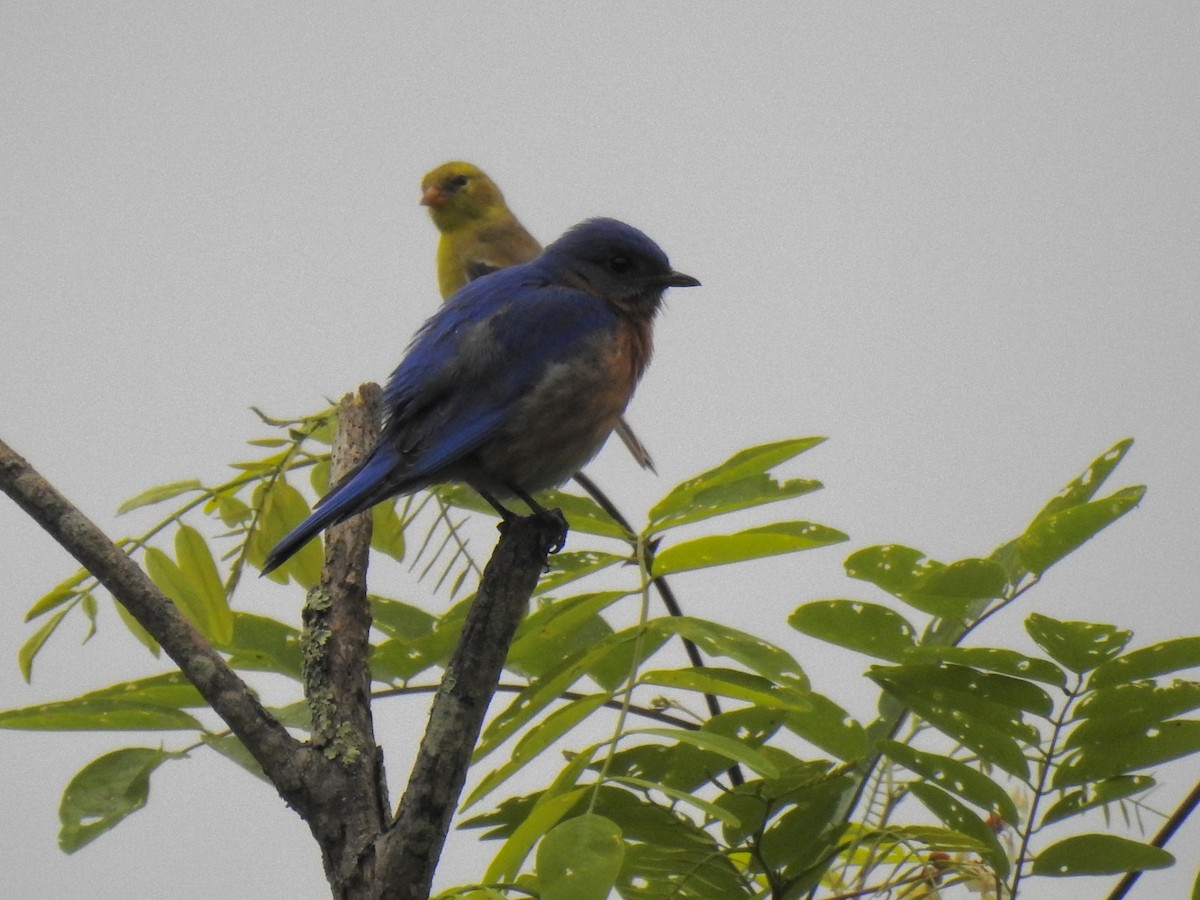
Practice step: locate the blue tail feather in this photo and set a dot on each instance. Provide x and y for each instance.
(359, 492)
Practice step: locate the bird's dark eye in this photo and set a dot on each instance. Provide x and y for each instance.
(619, 264)
(457, 182)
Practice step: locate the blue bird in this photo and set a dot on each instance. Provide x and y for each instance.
(516, 381)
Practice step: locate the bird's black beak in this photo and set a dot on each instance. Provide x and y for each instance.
(678, 279)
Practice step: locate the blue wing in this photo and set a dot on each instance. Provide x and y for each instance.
(480, 354)
(469, 364)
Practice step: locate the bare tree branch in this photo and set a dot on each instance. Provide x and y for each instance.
(353, 808)
(409, 851)
(285, 760)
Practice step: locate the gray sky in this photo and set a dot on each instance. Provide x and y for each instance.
(959, 239)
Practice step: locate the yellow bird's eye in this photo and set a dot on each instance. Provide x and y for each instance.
(458, 182)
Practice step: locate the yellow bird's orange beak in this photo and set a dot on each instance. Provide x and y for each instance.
(433, 196)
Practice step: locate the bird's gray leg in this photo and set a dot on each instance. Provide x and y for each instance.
(505, 513)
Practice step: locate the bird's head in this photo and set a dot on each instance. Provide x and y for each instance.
(457, 192)
(617, 262)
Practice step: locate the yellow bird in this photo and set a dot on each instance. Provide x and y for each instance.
(479, 234)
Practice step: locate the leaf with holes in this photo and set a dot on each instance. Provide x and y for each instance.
(1099, 854)
(1080, 646)
(956, 778)
(104, 792)
(579, 859)
(753, 543)
(738, 483)
(866, 627)
(1148, 662)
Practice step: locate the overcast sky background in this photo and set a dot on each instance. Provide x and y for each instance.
(959, 239)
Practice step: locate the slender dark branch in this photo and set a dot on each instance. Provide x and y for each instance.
(285, 761)
(408, 852)
(664, 592)
(1185, 809)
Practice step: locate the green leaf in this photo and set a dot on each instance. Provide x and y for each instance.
(977, 692)
(104, 792)
(584, 515)
(567, 626)
(158, 494)
(535, 740)
(170, 579)
(665, 849)
(168, 689)
(1100, 793)
(956, 589)
(262, 644)
(87, 603)
(690, 768)
(101, 714)
(36, 641)
(387, 531)
(930, 835)
(710, 809)
(1157, 744)
(830, 728)
(993, 659)
(753, 543)
(399, 660)
(140, 634)
(954, 701)
(891, 567)
(806, 836)
(281, 509)
(957, 817)
(956, 778)
(60, 594)
(1099, 854)
(563, 568)
(730, 748)
(1148, 662)
(198, 567)
(579, 859)
(551, 684)
(866, 627)
(1126, 711)
(1049, 538)
(230, 509)
(754, 689)
(398, 619)
(1080, 646)
(754, 653)
(1083, 488)
(738, 483)
(926, 584)
(318, 476)
(545, 814)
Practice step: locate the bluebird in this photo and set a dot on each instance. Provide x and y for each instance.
(478, 235)
(516, 381)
